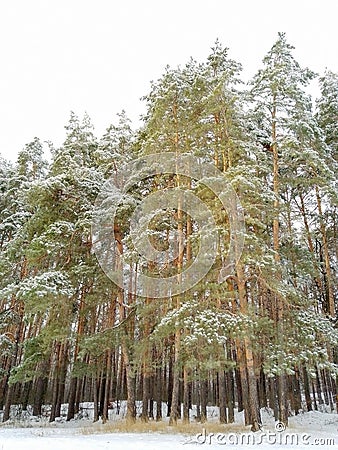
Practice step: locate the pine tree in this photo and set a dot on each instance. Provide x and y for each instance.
(298, 168)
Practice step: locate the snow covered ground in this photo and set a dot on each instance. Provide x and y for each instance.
(309, 429)
(17, 439)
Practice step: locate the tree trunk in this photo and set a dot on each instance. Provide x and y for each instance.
(39, 394)
(71, 399)
(107, 388)
(131, 407)
(307, 390)
(330, 306)
(186, 395)
(158, 393)
(222, 397)
(203, 393)
(95, 399)
(230, 396)
(8, 403)
(176, 381)
(145, 396)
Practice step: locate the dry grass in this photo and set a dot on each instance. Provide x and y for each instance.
(122, 426)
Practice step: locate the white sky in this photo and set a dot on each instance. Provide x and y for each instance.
(100, 55)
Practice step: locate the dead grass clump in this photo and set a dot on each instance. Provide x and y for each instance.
(139, 426)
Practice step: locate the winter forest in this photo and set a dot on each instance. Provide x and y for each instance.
(264, 336)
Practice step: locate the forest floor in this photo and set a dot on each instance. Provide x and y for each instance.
(315, 428)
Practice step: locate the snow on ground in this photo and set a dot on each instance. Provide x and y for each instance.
(309, 429)
(17, 439)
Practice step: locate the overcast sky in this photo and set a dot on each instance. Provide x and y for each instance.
(100, 55)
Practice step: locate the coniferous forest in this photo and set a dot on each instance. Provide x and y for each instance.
(265, 335)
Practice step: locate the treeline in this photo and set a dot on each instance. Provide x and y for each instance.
(264, 336)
